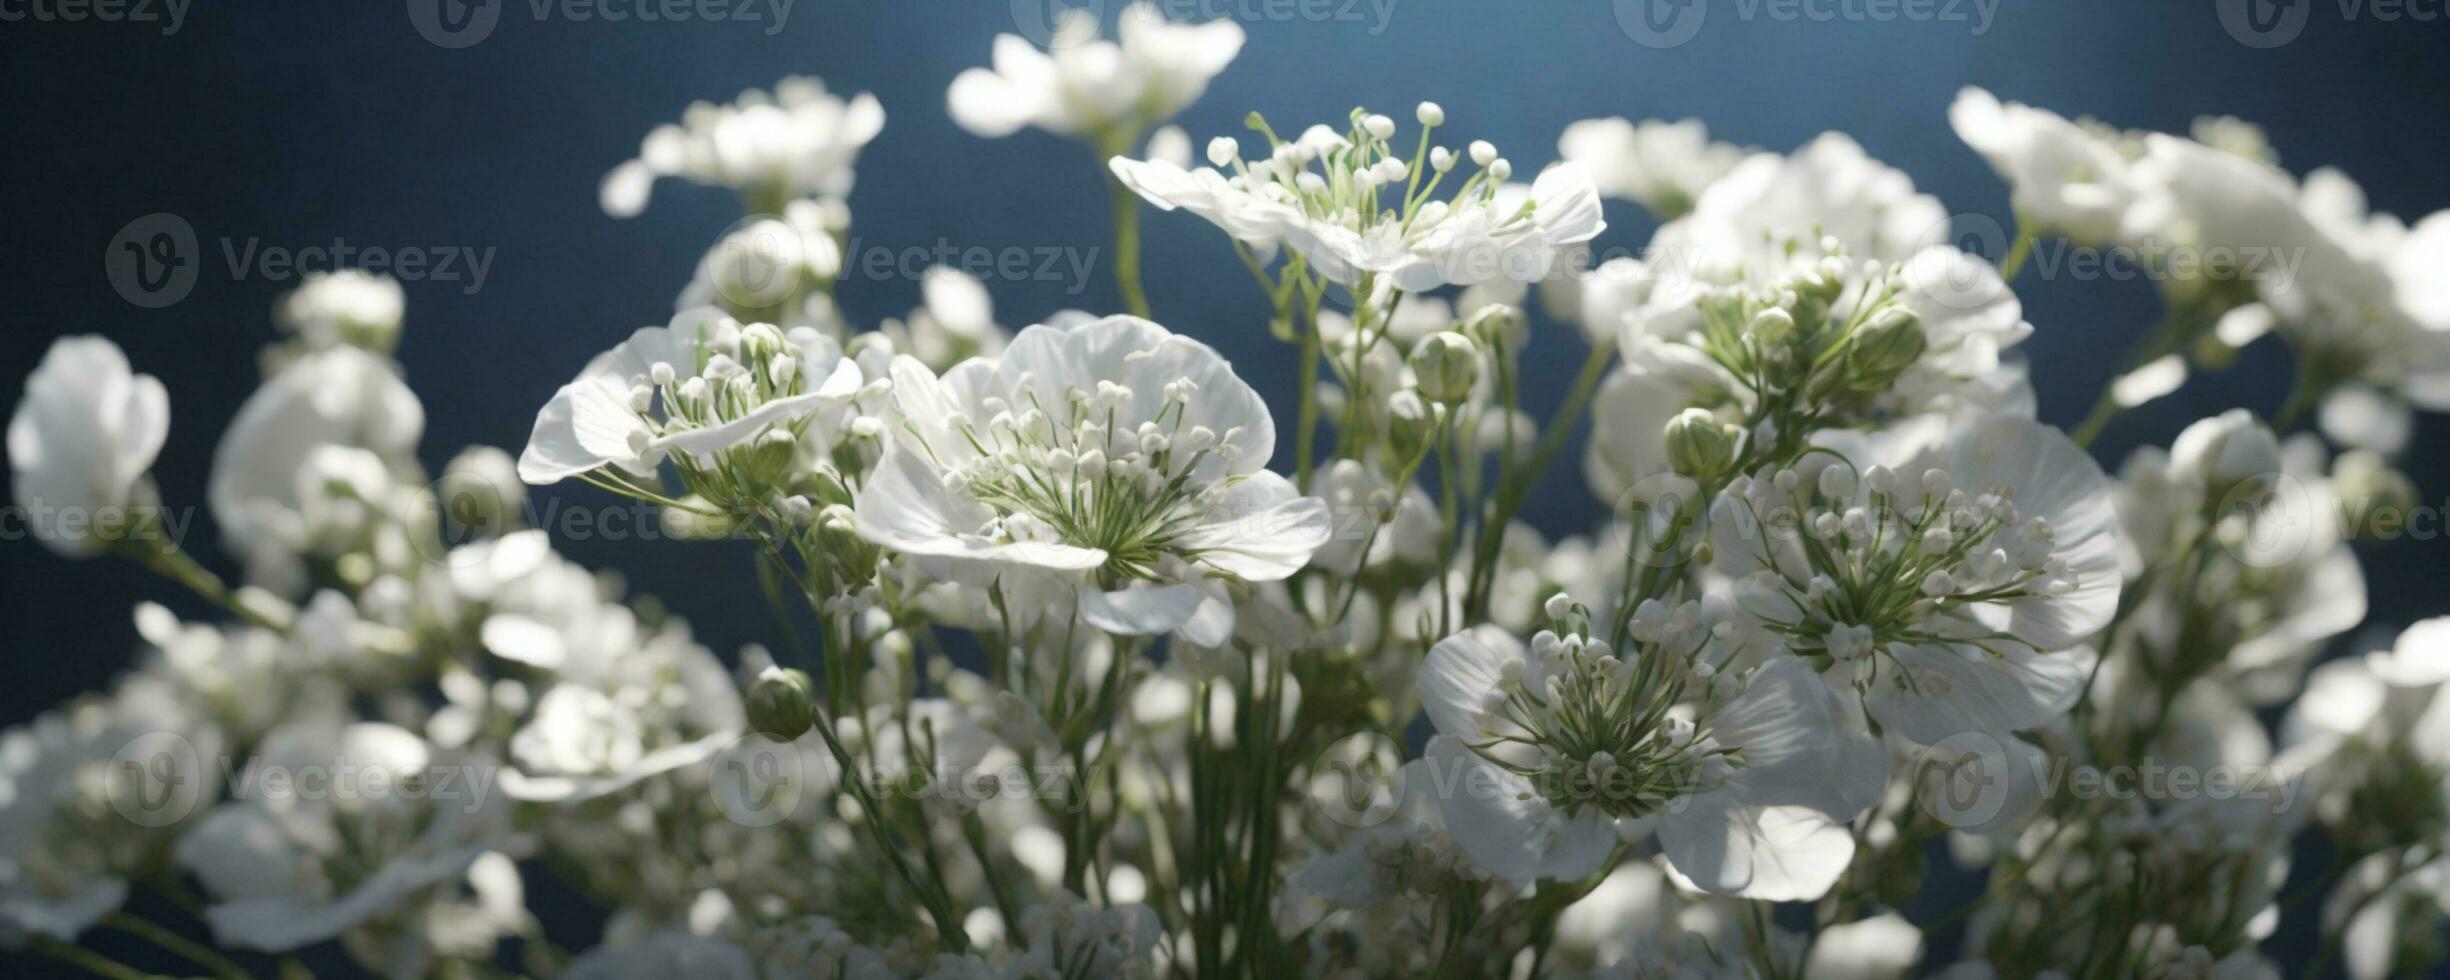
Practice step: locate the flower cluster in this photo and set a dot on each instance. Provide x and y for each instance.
(1086, 661)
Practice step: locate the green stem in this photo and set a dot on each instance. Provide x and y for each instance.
(1519, 480)
(1127, 247)
(1306, 427)
(168, 561)
(176, 944)
(86, 959)
(2014, 262)
(2104, 408)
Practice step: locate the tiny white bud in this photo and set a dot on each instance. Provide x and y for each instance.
(1560, 606)
(1938, 583)
(1222, 150)
(1441, 159)
(1501, 170)
(1378, 126)
(1483, 152)
(1430, 114)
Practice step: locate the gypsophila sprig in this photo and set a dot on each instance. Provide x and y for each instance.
(1062, 677)
(1358, 202)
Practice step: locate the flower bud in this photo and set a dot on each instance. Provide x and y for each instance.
(757, 266)
(1411, 424)
(1884, 349)
(1772, 326)
(1445, 366)
(780, 704)
(772, 455)
(482, 491)
(2225, 450)
(2376, 496)
(1698, 444)
(697, 521)
(822, 487)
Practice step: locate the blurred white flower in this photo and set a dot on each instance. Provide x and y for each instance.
(86, 793)
(2065, 177)
(797, 141)
(347, 306)
(81, 441)
(955, 321)
(1092, 88)
(375, 822)
(1662, 166)
(263, 487)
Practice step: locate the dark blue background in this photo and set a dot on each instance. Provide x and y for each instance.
(296, 123)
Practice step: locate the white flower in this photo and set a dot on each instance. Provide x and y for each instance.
(701, 386)
(1089, 87)
(2219, 452)
(2064, 177)
(1828, 189)
(348, 306)
(2275, 579)
(82, 439)
(1662, 166)
(342, 398)
(797, 141)
(674, 952)
(83, 797)
(2336, 281)
(1988, 549)
(758, 271)
(291, 869)
(1746, 797)
(1339, 215)
(955, 322)
(1115, 455)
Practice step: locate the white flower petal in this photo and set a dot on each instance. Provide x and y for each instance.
(1931, 691)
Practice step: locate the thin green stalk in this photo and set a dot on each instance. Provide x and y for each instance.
(168, 561)
(86, 959)
(2104, 408)
(1306, 426)
(176, 944)
(1126, 207)
(2014, 261)
(1127, 247)
(1518, 481)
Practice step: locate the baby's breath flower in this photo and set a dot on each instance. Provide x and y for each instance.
(1360, 203)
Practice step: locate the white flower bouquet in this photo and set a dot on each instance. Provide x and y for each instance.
(1088, 662)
